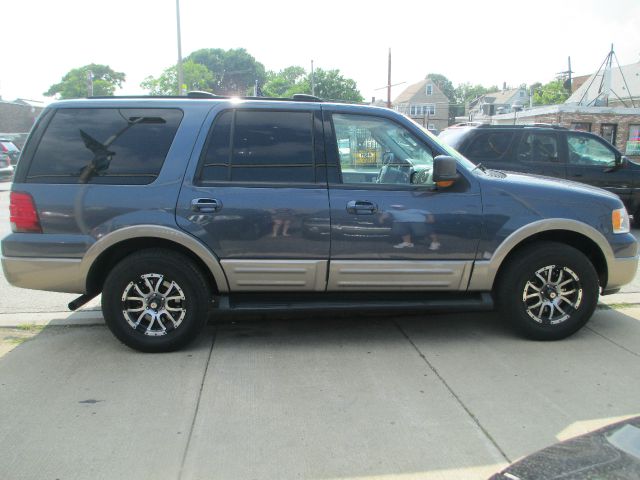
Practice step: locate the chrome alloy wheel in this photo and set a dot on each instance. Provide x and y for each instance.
(552, 294)
(152, 305)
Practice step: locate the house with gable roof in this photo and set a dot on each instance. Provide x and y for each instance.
(425, 103)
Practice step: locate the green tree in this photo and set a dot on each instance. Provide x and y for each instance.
(329, 84)
(195, 77)
(465, 92)
(551, 93)
(75, 83)
(286, 82)
(234, 71)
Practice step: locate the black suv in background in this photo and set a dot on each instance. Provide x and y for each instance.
(551, 151)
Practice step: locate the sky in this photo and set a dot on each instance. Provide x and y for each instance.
(487, 42)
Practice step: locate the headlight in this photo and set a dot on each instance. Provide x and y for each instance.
(620, 220)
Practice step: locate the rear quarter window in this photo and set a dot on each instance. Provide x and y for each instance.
(104, 145)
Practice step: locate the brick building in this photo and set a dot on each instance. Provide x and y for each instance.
(618, 125)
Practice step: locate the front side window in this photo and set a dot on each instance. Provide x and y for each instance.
(429, 90)
(375, 150)
(265, 147)
(538, 148)
(585, 150)
(104, 145)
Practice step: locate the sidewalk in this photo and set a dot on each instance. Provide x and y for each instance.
(443, 397)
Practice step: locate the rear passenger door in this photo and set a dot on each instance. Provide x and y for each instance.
(260, 178)
(539, 153)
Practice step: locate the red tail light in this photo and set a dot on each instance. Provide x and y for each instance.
(23, 214)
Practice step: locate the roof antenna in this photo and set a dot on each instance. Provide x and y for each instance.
(604, 89)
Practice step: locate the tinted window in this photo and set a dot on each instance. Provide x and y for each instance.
(538, 147)
(490, 145)
(106, 145)
(217, 157)
(267, 146)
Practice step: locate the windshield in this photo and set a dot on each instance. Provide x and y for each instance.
(468, 164)
(453, 136)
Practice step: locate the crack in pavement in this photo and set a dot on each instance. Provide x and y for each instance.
(195, 413)
(455, 396)
(612, 341)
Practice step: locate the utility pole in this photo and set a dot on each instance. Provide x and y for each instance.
(389, 82)
(388, 85)
(89, 83)
(313, 81)
(180, 73)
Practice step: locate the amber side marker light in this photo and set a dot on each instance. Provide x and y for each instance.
(23, 214)
(620, 220)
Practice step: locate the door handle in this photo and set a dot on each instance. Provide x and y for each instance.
(361, 207)
(205, 205)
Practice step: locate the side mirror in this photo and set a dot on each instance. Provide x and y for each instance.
(620, 162)
(444, 171)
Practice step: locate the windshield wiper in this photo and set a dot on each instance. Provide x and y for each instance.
(481, 167)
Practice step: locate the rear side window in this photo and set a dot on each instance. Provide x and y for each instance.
(104, 145)
(248, 146)
(538, 148)
(490, 145)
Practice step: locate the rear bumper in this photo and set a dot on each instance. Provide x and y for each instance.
(621, 272)
(52, 274)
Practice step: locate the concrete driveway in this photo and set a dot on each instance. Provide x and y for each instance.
(437, 397)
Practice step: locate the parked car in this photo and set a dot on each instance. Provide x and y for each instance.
(176, 208)
(8, 148)
(551, 151)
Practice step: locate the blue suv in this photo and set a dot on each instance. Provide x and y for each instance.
(176, 208)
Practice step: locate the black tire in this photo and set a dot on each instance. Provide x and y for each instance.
(173, 305)
(570, 283)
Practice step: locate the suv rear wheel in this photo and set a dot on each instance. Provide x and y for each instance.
(548, 291)
(155, 300)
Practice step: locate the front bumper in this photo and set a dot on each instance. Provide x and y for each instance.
(52, 274)
(621, 271)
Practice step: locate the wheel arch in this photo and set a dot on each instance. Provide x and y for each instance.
(576, 234)
(110, 249)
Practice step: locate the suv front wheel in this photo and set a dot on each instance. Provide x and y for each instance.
(155, 300)
(548, 291)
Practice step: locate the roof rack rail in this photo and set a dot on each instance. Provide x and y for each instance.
(523, 125)
(303, 97)
(195, 94)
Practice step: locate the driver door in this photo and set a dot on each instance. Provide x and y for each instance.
(390, 227)
(592, 161)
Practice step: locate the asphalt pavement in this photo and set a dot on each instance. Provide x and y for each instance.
(447, 396)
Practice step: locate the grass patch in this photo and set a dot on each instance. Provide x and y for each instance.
(616, 306)
(30, 327)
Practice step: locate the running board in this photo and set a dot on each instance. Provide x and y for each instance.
(296, 302)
